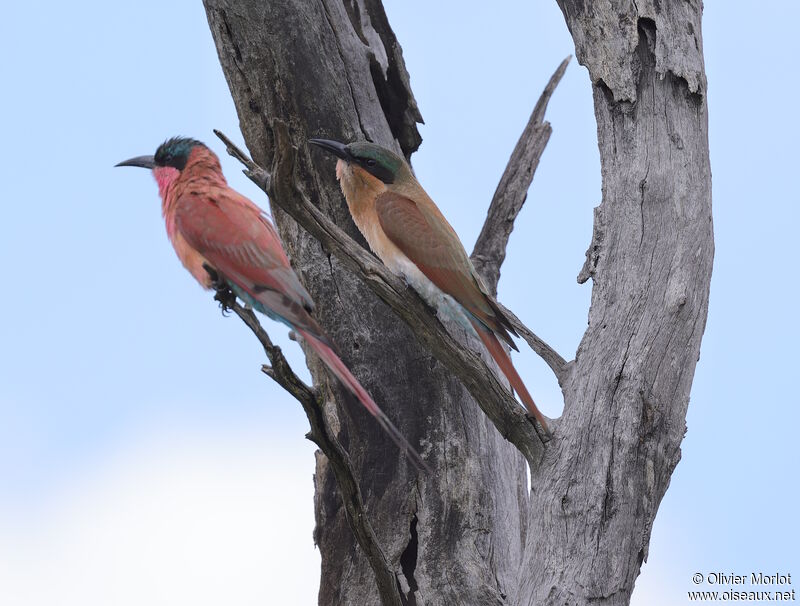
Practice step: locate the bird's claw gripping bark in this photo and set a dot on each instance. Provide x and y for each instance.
(224, 295)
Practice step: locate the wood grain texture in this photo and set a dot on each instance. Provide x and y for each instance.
(650, 261)
(312, 65)
(472, 533)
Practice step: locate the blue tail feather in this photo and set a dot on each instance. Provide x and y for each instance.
(258, 306)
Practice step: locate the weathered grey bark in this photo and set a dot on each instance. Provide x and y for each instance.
(512, 191)
(470, 533)
(603, 476)
(330, 70)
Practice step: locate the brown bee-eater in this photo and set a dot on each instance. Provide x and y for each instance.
(407, 231)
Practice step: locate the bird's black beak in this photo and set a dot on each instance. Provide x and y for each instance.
(142, 161)
(337, 149)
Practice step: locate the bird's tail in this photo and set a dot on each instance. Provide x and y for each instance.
(347, 379)
(504, 362)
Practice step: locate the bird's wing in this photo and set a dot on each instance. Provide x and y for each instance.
(428, 240)
(239, 241)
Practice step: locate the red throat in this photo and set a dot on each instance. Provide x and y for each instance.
(165, 177)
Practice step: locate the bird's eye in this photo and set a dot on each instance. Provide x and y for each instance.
(370, 162)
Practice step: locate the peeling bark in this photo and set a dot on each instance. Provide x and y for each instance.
(471, 532)
(604, 475)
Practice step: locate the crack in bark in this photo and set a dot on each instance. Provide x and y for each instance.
(335, 33)
(642, 120)
(408, 563)
(333, 277)
(236, 52)
(500, 591)
(608, 501)
(237, 62)
(404, 107)
(391, 103)
(620, 295)
(353, 11)
(593, 252)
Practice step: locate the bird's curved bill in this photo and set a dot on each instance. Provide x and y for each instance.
(141, 161)
(334, 147)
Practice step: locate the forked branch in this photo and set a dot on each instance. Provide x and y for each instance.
(285, 190)
(557, 364)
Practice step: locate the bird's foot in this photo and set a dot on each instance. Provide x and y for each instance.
(224, 295)
(226, 299)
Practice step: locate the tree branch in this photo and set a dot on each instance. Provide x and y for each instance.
(509, 197)
(557, 364)
(281, 372)
(512, 190)
(495, 400)
(580, 535)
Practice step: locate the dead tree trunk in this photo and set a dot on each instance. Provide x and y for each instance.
(470, 532)
(650, 261)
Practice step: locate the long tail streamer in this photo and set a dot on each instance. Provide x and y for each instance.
(500, 356)
(347, 379)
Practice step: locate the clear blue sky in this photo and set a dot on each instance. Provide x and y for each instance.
(138, 440)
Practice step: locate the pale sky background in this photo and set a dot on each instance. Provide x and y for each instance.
(143, 456)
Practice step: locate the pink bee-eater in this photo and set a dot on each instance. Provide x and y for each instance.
(212, 227)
